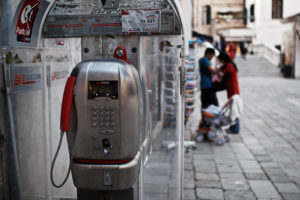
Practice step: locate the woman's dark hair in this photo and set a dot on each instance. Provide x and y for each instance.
(227, 59)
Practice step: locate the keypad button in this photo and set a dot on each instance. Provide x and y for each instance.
(94, 124)
(106, 119)
(93, 113)
(94, 118)
(112, 108)
(107, 113)
(106, 107)
(107, 132)
(101, 119)
(93, 108)
(101, 124)
(112, 124)
(101, 113)
(112, 119)
(101, 107)
(106, 124)
(95, 137)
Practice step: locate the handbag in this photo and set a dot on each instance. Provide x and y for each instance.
(218, 83)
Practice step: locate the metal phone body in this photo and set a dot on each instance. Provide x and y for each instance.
(106, 125)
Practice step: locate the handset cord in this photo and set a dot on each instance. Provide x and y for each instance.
(53, 162)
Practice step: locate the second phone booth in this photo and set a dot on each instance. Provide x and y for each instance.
(92, 88)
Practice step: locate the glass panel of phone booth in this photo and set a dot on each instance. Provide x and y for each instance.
(37, 79)
(162, 172)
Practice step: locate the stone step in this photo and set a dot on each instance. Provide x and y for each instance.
(255, 66)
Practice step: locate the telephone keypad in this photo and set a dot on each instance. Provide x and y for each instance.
(103, 117)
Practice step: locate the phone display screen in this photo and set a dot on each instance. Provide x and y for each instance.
(103, 89)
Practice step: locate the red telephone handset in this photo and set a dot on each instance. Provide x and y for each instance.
(67, 104)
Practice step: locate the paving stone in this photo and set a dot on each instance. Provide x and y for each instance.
(269, 164)
(253, 170)
(256, 176)
(156, 188)
(151, 196)
(228, 175)
(156, 179)
(243, 156)
(189, 184)
(189, 174)
(208, 184)
(264, 189)
(281, 178)
(287, 188)
(206, 176)
(210, 194)
(188, 166)
(263, 158)
(188, 160)
(235, 184)
(239, 195)
(189, 194)
(205, 168)
(249, 164)
(222, 160)
(202, 157)
(289, 196)
(229, 167)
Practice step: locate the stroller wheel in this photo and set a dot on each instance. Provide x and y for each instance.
(227, 138)
(199, 137)
(212, 135)
(220, 141)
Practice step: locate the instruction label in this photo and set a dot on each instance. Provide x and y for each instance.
(26, 78)
(141, 21)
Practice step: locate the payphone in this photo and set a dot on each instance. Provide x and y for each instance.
(102, 115)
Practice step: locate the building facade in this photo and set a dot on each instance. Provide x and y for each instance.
(220, 18)
(265, 18)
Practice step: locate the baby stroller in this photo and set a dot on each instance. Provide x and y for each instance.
(214, 118)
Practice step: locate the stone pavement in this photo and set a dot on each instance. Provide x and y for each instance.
(263, 162)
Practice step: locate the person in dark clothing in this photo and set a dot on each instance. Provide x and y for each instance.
(208, 95)
(243, 47)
